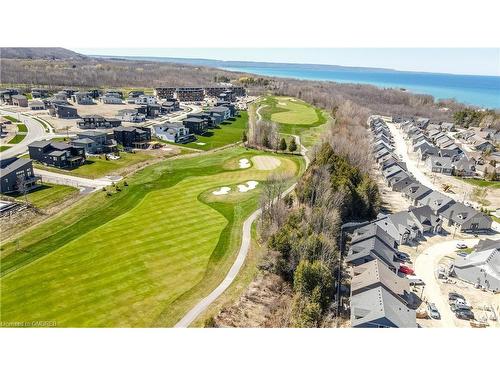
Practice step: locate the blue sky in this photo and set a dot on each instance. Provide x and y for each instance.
(477, 61)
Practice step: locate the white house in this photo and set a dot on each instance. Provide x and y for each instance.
(172, 132)
(145, 99)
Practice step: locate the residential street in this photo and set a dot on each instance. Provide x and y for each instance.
(401, 149)
(425, 268)
(35, 132)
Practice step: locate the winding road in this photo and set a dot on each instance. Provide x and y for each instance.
(35, 132)
(202, 305)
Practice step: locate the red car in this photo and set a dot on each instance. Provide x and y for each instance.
(406, 270)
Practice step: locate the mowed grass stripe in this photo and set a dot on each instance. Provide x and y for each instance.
(128, 270)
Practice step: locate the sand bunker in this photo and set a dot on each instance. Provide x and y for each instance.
(266, 163)
(282, 103)
(249, 186)
(222, 191)
(244, 163)
(201, 143)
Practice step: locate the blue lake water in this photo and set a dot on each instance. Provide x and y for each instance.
(483, 91)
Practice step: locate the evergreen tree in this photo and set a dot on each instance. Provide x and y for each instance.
(283, 144)
(292, 147)
(265, 142)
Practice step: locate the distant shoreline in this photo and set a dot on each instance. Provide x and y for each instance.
(475, 90)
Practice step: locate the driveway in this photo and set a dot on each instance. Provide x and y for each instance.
(84, 184)
(425, 268)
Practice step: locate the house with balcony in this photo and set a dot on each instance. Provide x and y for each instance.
(94, 142)
(16, 174)
(132, 136)
(57, 154)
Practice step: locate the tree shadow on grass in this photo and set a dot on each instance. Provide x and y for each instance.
(36, 188)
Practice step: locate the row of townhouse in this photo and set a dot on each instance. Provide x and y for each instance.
(380, 298)
(198, 94)
(431, 209)
(441, 154)
(74, 153)
(196, 123)
(482, 139)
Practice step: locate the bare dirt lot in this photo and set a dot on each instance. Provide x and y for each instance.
(439, 251)
(105, 110)
(9, 131)
(392, 201)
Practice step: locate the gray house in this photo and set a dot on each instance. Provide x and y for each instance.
(428, 221)
(439, 164)
(374, 274)
(371, 249)
(438, 202)
(16, 173)
(82, 98)
(481, 267)
(399, 183)
(56, 154)
(401, 226)
(63, 111)
(224, 112)
(379, 145)
(466, 218)
(378, 308)
(94, 142)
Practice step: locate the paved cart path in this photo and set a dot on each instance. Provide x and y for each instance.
(201, 306)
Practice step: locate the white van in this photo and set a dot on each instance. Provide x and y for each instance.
(415, 280)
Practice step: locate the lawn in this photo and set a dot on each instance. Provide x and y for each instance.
(22, 128)
(294, 116)
(96, 166)
(141, 257)
(17, 138)
(229, 132)
(11, 119)
(482, 183)
(47, 195)
(3, 148)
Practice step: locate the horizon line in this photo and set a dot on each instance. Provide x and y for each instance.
(291, 63)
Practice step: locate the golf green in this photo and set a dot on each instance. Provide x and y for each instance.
(139, 258)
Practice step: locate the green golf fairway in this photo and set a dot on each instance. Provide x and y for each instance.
(139, 258)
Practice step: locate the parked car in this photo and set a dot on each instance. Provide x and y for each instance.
(464, 314)
(454, 306)
(433, 311)
(461, 246)
(452, 296)
(414, 280)
(403, 256)
(462, 254)
(406, 270)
